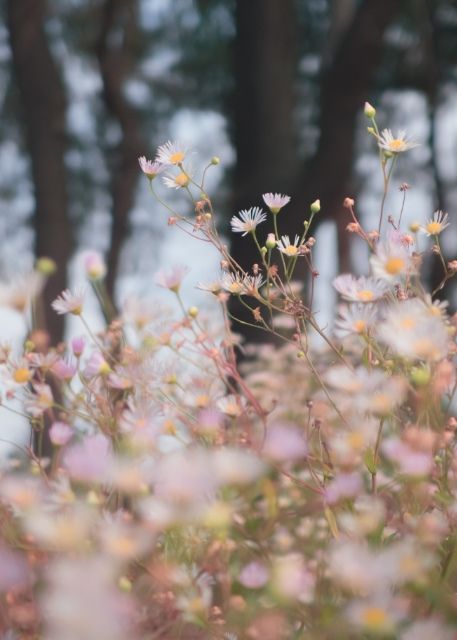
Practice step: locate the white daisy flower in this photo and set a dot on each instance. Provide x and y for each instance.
(437, 224)
(241, 285)
(287, 247)
(178, 181)
(361, 289)
(172, 278)
(355, 319)
(395, 144)
(171, 153)
(411, 331)
(248, 220)
(69, 302)
(275, 201)
(392, 260)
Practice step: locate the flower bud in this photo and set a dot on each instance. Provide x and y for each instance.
(193, 312)
(46, 266)
(215, 160)
(315, 206)
(369, 110)
(414, 227)
(271, 241)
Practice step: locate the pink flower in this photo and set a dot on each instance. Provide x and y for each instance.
(68, 302)
(63, 370)
(60, 433)
(343, 486)
(96, 366)
(94, 265)
(172, 278)
(78, 345)
(149, 168)
(253, 575)
(275, 201)
(284, 442)
(89, 460)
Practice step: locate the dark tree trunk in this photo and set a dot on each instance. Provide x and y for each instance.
(43, 101)
(264, 131)
(114, 54)
(345, 86)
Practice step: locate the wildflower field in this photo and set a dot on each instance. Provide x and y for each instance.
(174, 490)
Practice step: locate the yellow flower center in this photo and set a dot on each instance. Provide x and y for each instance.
(359, 326)
(394, 266)
(408, 322)
(356, 440)
(365, 295)
(397, 144)
(177, 157)
(182, 180)
(375, 617)
(434, 228)
(291, 250)
(22, 375)
(121, 546)
(235, 287)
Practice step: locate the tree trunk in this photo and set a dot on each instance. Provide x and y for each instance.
(43, 101)
(264, 131)
(114, 55)
(345, 86)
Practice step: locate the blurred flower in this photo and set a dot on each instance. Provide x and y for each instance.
(96, 366)
(254, 575)
(172, 278)
(78, 345)
(21, 291)
(275, 201)
(284, 442)
(248, 220)
(437, 224)
(89, 460)
(15, 573)
(63, 369)
(427, 628)
(411, 331)
(39, 401)
(361, 289)
(242, 285)
(60, 433)
(355, 319)
(94, 265)
(68, 302)
(343, 486)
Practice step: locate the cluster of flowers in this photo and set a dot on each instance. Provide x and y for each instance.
(169, 495)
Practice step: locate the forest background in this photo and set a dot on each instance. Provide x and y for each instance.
(274, 87)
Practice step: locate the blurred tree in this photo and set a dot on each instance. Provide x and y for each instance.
(44, 108)
(115, 50)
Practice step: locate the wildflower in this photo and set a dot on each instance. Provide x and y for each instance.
(63, 370)
(392, 259)
(375, 616)
(21, 291)
(388, 142)
(437, 224)
(248, 220)
(78, 345)
(291, 579)
(172, 278)
(284, 442)
(96, 366)
(89, 460)
(355, 319)
(60, 433)
(68, 302)
(94, 265)
(22, 374)
(361, 289)
(178, 181)
(253, 575)
(343, 486)
(289, 249)
(170, 153)
(275, 201)
(411, 331)
(149, 168)
(39, 401)
(241, 285)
